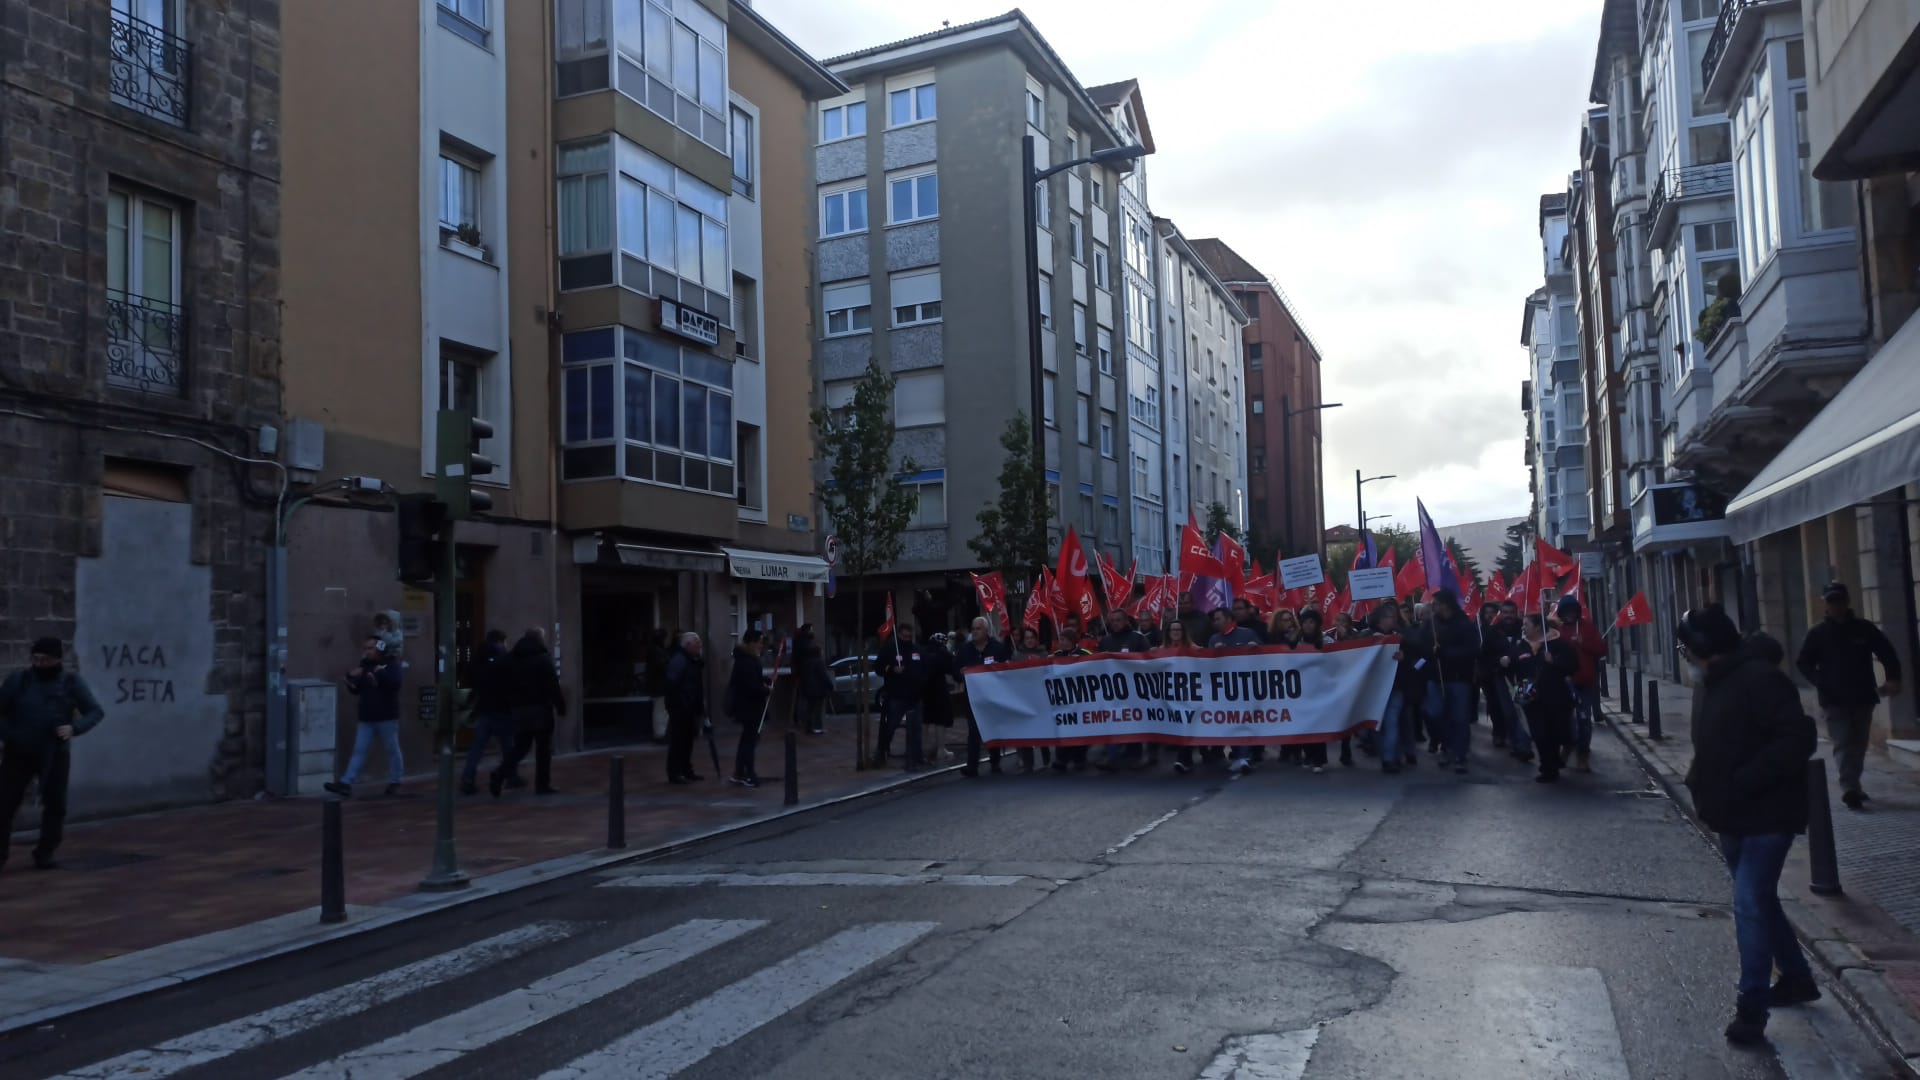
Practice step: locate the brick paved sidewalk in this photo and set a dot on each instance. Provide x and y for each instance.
(1868, 938)
(137, 894)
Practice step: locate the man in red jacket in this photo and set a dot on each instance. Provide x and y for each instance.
(1590, 645)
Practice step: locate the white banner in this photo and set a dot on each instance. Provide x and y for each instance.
(1198, 698)
(1301, 571)
(1371, 584)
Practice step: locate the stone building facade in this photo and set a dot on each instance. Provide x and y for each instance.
(139, 377)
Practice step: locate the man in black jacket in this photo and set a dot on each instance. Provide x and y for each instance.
(1123, 636)
(904, 682)
(42, 710)
(1837, 658)
(980, 649)
(1450, 644)
(533, 691)
(1751, 742)
(376, 682)
(747, 694)
(492, 715)
(686, 692)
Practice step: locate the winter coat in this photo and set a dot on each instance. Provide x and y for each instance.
(1240, 637)
(937, 699)
(1589, 646)
(1451, 648)
(1126, 641)
(747, 689)
(533, 688)
(1751, 743)
(1500, 640)
(810, 664)
(490, 682)
(1837, 658)
(970, 655)
(686, 685)
(903, 676)
(1548, 675)
(32, 707)
(378, 688)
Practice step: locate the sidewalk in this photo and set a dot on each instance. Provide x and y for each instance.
(153, 900)
(1867, 939)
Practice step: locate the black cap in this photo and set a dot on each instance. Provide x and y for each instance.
(1708, 631)
(1836, 592)
(48, 646)
(1568, 603)
(752, 635)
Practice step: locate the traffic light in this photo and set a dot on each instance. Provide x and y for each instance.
(461, 462)
(421, 520)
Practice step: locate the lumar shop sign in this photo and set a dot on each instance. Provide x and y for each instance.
(691, 323)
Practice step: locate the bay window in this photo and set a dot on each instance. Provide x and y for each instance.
(668, 55)
(642, 407)
(668, 226)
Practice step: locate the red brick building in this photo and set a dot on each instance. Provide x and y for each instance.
(1285, 487)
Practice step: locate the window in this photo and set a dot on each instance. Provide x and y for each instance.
(1258, 458)
(913, 198)
(1152, 414)
(1036, 107)
(1106, 433)
(462, 377)
(468, 18)
(1110, 522)
(743, 148)
(920, 399)
(1103, 348)
(910, 105)
(1710, 144)
(668, 55)
(848, 307)
(1139, 475)
(930, 509)
(1256, 356)
(843, 212)
(146, 323)
(1213, 428)
(1101, 272)
(848, 121)
(752, 493)
(1077, 236)
(1083, 418)
(1696, 10)
(586, 210)
(1046, 301)
(459, 195)
(639, 406)
(1086, 511)
(1259, 406)
(668, 226)
(150, 65)
(1046, 401)
(1140, 324)
(1080, 329)
(746, 318)
(1823, 205)
(1099, 189)
(916, 297)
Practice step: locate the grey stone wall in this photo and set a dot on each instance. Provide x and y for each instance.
(845, 358)
(911, 246)
(842, 258)
(925, 447)
(840, 161)
(910, 146)
(915, 347)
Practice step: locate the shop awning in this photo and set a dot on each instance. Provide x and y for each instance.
(776, 566)
(652, 557)
(1865, 443)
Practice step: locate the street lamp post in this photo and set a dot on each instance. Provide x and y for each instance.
(1359, 501)
(1036, 388)
(1287, 413)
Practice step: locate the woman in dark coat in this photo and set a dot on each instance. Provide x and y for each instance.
(1543, 663)
(815, 682)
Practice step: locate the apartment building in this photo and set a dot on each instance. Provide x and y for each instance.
(140, 402)
(1205, 330)
(922, 270)
(1286, 488)
(1555, 401)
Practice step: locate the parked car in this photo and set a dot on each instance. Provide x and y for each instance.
(846, 683)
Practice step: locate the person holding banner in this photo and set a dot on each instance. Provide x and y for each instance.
(1178, 644)
(1070, 757)
(1314, 755)
(903, 679)
(979, 650)
(1229, 634)
(1244, 615)
(1395, 738)
(1030, 648)
(1123, 637)
(747, 695)
(1543, 663)
(1284, 628)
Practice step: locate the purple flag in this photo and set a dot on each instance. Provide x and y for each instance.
(1208, 592)
(1433, 553)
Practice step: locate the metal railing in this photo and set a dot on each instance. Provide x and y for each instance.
(1722, 34)
(146, 344)
(151, 69)
(1691, 182)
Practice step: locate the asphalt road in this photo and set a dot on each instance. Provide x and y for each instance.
(1274, 927)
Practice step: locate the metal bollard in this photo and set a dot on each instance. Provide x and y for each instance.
(793, 769)
(1632, 690)
(616, 802)
(1653, 710)
(333, 873)
(1820, 849)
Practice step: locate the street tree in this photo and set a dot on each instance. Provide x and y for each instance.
(863, 500)
(1220, 522)
(1013, 530)
(1513, 554)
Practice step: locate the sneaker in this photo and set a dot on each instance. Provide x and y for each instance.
(345, 791)
(743, 781)
(1794, 990)
(1748, 1029)
(1854, 800)
(1318, 769)
(1239, 765)
(1182, 768)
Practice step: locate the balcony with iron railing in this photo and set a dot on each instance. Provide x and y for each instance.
(146, 344)
(1677, 184)
(151, 69)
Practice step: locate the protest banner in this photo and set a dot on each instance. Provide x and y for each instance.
(1301, 571)
(1240, 697)
(1375, 583)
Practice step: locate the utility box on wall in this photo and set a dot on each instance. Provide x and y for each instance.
(300, 760)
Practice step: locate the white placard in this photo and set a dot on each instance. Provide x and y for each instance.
(1375, 583)
(1301, 571)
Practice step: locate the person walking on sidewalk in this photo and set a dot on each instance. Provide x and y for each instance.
(533, 690)
(903, 682)
(980, 649)
(1751, 743)
(376, 682)
(1837, 658)
(812, 680)
(1589, 648)
(492, 715)
(747, 695)
(42, 710)
(686, 693)
(1544, 662)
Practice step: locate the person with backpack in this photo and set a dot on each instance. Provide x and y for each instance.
(42, 710)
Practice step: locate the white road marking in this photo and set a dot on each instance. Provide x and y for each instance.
(1559, 1020)
(1264, 1057)
(1143, 830)
(667, 1046)
(223, 1040)
(430, 1046)
(803, 880)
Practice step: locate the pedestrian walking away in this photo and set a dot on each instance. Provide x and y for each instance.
(492, 712)
(1751, 743)
(685, 687)
(1837, 658)
(1589, 648)
(533, 690)
(1543, 663)
(748, 692)
(42, 710)
(376, 683)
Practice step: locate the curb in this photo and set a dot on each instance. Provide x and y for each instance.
(369, 918)
(1867, 998)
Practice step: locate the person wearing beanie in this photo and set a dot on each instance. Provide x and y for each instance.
(1837, 658)
(42, 710)
(1590, 647)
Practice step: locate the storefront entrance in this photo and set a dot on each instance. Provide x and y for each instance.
(625, 619)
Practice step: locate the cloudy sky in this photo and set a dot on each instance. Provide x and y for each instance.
(1382, 162)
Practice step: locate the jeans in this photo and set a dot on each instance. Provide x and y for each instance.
(1848, 727)
(1586, 706)
(1450, 712)
(1518, 738)
(743, 753)
(1394, 745)
(486, 728)
(388, 732)
(17, 770)
(1760, 926)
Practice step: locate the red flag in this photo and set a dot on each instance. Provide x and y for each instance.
(1075, 578)
(1057, 602)
(1234, 558)
(1263, 593)
(1036, 604)
(992, 591)
(1526, 588)
(1558, 563)
(1412, 577)
(1390, 558)
(886, 628)
(1573, 592)
(1466, 581)
(1342, 601)
(1196, 558)
(1476, 599)
(1496, 591)
(1637, 612)
(1119, 589)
